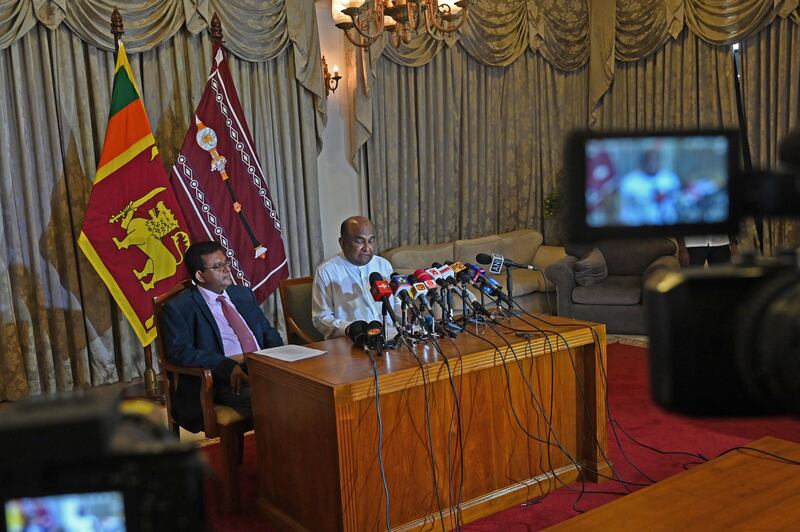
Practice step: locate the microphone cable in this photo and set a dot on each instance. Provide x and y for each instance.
(456, 414)
(551, 429)
(612, 421)
(431, 450)
(587, 415)
(536, 408)
(380, 437)
(616, 476)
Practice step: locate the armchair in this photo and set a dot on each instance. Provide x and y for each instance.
(615, 300)
(218, 420)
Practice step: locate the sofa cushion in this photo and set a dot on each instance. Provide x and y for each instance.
(466, 250)
(591, 268)
(413, 257)
(615, 290)
(525, 282)
(521, 245)
(632, 257)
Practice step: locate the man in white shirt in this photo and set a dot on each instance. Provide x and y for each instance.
(341, 292)
(648, 195)
(696, 250)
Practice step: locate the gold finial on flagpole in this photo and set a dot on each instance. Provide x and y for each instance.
(117, 28)
(216, 30)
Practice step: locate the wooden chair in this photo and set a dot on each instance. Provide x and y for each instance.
(218, 420)
(296, 303)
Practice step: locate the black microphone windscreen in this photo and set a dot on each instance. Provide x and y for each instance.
(357, 330)
(394, 274)
(375, 324)
(483, 258)
(436, 265)
(374, 277)
(411, 278)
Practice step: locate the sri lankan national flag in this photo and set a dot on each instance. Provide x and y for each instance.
(133, 232)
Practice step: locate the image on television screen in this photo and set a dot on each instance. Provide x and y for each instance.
(73, 512)
(657, 181)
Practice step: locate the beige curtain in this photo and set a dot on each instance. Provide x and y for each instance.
(59, 328)
(771, 80)
(687, 83)
(463, 149)
(444, 117)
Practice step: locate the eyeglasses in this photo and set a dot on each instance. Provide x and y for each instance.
(219, 267)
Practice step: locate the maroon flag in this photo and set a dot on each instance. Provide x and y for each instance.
(222, 190)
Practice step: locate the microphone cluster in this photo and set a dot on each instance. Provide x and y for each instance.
(426, 300)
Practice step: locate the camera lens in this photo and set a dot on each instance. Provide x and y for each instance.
(768, 352)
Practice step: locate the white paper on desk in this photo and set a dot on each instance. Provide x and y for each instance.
(290, 353)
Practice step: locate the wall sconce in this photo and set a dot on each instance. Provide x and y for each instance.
(331, 81)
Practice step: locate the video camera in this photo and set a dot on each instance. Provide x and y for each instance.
(723, 340)
(76, 463)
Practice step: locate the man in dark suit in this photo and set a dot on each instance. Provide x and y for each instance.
(207, 324)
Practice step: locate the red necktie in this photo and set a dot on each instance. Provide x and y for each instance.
(239, 327)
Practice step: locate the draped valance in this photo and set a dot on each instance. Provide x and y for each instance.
(254, 30)
(497, 32)
(572, 34)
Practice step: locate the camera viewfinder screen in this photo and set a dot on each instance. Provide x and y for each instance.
(657, 181)
(101, 511)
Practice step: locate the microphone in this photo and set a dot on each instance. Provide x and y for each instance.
(456, 266)
(446, 274)
(427, 278)
(366, 335)
(418, 291)
(400, 288)
(430, 284)
(381, 291)
(486, 284)
(356, 331)
(496, 262)
(374, 335)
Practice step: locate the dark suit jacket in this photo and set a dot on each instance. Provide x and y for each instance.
(191, 338)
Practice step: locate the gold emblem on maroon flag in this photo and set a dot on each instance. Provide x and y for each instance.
(207, 139)
(147, 234)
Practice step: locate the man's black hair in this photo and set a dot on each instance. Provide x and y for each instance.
(194, 255)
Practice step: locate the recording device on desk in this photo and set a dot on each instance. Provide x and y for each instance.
(369, 336)
(74, 461)
(723, 340)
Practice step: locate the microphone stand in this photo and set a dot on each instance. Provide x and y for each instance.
(384, 312)
(510, 288)
(464, 298)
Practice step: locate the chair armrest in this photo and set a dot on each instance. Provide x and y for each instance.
(182, 370)
(206, 394)
(544, 257)
(294, 328)
(665, 262)
(560, 273)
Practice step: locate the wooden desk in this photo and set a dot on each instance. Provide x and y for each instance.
(741, 490)
(316, 428)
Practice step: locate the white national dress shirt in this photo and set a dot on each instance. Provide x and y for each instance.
(341, 294)
(230, 342)
(708, 240)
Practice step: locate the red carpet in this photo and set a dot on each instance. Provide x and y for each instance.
(630, 406)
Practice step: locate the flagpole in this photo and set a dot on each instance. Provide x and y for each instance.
(216, 30)
(150, 380)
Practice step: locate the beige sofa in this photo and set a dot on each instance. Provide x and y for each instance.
(525, 246)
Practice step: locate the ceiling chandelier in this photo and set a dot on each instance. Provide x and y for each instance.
(364, 21)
